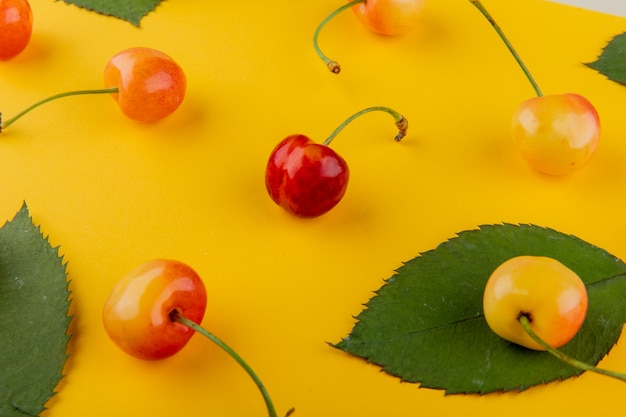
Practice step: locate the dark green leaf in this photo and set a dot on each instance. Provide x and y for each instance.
(426, 323)
(130, 10)
(612, 61)
(33, 318)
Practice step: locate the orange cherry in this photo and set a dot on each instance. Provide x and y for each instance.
(151, 84)
(16, 26)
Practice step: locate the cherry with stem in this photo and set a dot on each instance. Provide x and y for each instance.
(525, 322)
(175, 316)
(556, 134)
(308, 179)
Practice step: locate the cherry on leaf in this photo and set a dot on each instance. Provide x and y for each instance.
(384, 17)
(147, 84)
(555, 134)
(16, 26)
(539, 303)
(153, 311)
(308, 179)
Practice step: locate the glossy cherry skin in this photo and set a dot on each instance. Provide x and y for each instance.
(556, 134)
(306, 178)
(389, 17)
(151, 84)
(552, 296)
(136, 315)
(16, 26)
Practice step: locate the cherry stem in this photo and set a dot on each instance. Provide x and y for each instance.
(525, 322)
(333, 66)
(177, 317)
(401, 122)
(508, 44)
(9, 122)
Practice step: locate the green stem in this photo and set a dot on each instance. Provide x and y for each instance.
(525, 322)
(401, 122)
(333, 66)
(9, 122)
(508, 44)
(177, 317)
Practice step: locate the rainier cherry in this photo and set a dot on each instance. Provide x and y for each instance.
(16, 26)
(551, 295)
(153, 311)
(555, 134)
(308, 179)
(147, 84)
(539, 303)
(384, 17)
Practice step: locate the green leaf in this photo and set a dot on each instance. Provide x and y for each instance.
(129, 10)
(612, 60)
(34, 303)
(426, 324)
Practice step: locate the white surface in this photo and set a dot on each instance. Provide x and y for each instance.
(615, 7)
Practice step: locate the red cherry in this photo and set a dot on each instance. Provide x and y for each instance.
(16, 26)
(306, 178)
(309, 179)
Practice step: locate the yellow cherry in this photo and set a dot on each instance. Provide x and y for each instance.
(550, 295)
(556, 134)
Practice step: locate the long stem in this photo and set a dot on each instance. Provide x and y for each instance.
(508, 44)
(9, 122)
(177, 317)
(333, 66)
(401, 122)
(562, 356)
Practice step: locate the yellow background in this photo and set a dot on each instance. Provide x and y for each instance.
(113, 193)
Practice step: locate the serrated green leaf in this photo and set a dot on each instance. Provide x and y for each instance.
(426, 324)
(612, 60)
(129, 10)
(34, 303)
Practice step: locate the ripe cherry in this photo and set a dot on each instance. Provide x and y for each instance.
(308, 179)
(555, 134)
(539, 303)
(551, 295)
(16, 27)
(137, 314)
(147, 84)
(153, 311)
(384, 17)
(151, 84)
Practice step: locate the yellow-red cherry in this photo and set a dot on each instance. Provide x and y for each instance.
(16, 26)
(305, 178)
(542, 289)
(151, 84)
(389, 17)
(138, 314)
(556, 134)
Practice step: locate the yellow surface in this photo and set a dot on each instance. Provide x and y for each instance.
(113, 193)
